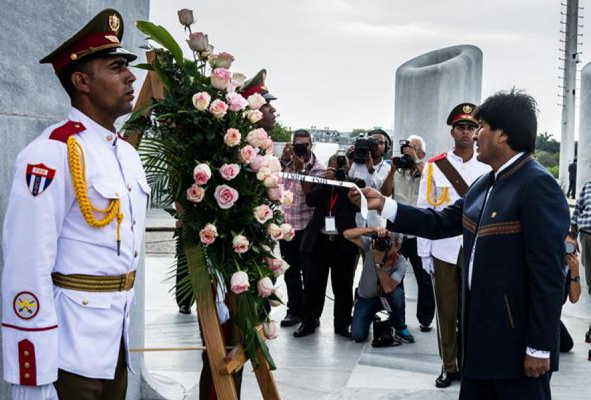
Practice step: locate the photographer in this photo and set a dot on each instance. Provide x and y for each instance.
(302, 161)
(324, 248)
(369, 165)
(572, 291)
(380, 284)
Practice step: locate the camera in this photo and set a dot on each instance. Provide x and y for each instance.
(300, 149)
(404, 161)
(362, 150)
(381, 243)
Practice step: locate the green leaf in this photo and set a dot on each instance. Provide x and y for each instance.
(160, 35)
(147, 67)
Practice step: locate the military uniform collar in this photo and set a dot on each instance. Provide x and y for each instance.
(92, 127)
(453, 155)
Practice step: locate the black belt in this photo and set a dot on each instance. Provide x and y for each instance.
(331, 236)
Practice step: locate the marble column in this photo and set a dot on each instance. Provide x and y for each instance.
(584, 149)
(428, 87)
(32, 97)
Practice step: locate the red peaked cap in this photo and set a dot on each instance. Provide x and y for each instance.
(257, 85)
(102, 35)
(462, 113)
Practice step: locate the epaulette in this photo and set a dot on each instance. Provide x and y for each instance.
(438, 157)
(62, 133)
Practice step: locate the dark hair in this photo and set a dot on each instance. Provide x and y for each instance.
(65, 76)
(514, 112)
(301, 133)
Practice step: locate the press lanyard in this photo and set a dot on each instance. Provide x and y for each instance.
(333, 201)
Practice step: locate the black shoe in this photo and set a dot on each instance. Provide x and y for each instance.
(445, 379)
(304, 330)
(588, 336)
(425, 328)
(290, 320)
(185, 309)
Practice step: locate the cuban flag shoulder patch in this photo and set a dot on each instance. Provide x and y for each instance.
(39, 177)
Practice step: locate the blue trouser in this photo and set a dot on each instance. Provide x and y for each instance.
(365, 309)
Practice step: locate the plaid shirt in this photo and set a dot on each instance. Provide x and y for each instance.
(582, 214)
(298, 214)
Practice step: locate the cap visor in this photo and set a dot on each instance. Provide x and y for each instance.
(269, 97)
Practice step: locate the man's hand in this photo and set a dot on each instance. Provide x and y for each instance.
(329, 173)
(411, 152)
(536, 367)
(375, 200)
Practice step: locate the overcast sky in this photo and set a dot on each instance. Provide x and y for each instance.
(332, 62)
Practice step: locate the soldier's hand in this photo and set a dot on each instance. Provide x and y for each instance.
(536, 367)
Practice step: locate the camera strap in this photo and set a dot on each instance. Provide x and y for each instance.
(453, 176)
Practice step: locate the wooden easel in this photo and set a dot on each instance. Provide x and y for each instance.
(222, 363)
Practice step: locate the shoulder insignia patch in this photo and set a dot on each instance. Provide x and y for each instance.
(438, 157)
(62, 133)
(25, 305)
(39, 177)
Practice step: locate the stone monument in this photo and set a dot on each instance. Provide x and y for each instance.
(428, 87)
(584, 150)
(33, 99)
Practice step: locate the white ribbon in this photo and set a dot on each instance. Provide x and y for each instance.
(331, 182)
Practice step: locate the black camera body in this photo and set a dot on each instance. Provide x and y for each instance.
(362, 151)
(381, 243)
(300, 149)
(404, 161)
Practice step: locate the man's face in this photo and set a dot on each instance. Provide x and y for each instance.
(380, 149)
(416, 148)
(487, 143)
(463, 135)
(108, 84)
(268, 120)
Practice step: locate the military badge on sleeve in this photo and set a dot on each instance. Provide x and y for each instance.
(25, 305)
(39, 177)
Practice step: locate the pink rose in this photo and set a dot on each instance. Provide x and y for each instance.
(226, 196)
(287, 199)
(201, 100)
(265, 287)
(270, 330)
(239, 282)
(201, 174)
(254, 116)
(257, 137)
(238, 79)
(220, 77)
(275, 232)
(236, 101)
(274, 264)
(229, 171)
(232, 137)
(271, 181)
(222, 60)
(247, 154)
(195, 193)
(263, 173)
(258, 163)
(208, 234)
(198, 41)
(275, 193)
(256, 101)
(288, 232)
(274, 164)
(186, 16)
(218, 109)
(240, 244)
(263, 213)
(268, 146)
(279, 292)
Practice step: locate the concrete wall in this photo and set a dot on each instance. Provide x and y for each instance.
(584, 149)
(429, 86)
(32, 97)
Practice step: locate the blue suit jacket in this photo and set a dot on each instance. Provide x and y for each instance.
(517, 282)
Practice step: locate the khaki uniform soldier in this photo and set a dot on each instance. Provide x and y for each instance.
(73, 232)
(445, 179)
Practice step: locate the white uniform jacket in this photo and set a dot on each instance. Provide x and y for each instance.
(45, 327)
(446, 249)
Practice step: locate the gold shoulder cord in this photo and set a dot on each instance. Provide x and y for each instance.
(444, 192)
(76, 164)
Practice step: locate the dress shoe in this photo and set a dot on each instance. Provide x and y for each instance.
(588, 336)
(446, 378)
(304, 330)
(185, 309)
(290, 320)
(425, 328)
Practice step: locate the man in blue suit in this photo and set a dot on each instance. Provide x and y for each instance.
(514, 221)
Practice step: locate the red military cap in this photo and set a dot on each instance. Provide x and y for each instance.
(462, 113)
(102, 35)
(257, 85)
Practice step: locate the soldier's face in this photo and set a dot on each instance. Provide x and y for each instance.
(268, 120)
(110, 85)
(463, 135)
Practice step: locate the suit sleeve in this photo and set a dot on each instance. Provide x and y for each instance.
(423, 244)
(545, 223)
(39, 199)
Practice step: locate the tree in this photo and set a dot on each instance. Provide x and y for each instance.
(545, 142)
(280, 133)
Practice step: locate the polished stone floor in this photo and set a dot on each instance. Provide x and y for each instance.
(324, 366)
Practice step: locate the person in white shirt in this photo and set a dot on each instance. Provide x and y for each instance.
(439, 257)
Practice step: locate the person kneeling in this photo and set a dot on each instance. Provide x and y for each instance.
(380, 286)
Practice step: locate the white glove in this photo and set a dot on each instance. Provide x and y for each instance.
(428, 265)
(43, 392)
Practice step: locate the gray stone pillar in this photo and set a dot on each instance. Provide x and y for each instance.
(428, 87)
(32, 97)
(584, 151)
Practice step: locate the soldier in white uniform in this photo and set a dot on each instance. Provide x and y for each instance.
(73, 232)
(444, 176)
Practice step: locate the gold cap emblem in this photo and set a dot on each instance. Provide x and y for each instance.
(112, 38)
(114, 23)
(467, 109)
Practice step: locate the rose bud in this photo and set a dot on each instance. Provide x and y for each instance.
(201, 174)
(186, 17)
(208, 234)
(198, 42)
(265, 287)
(270, 330)
(239, 282)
